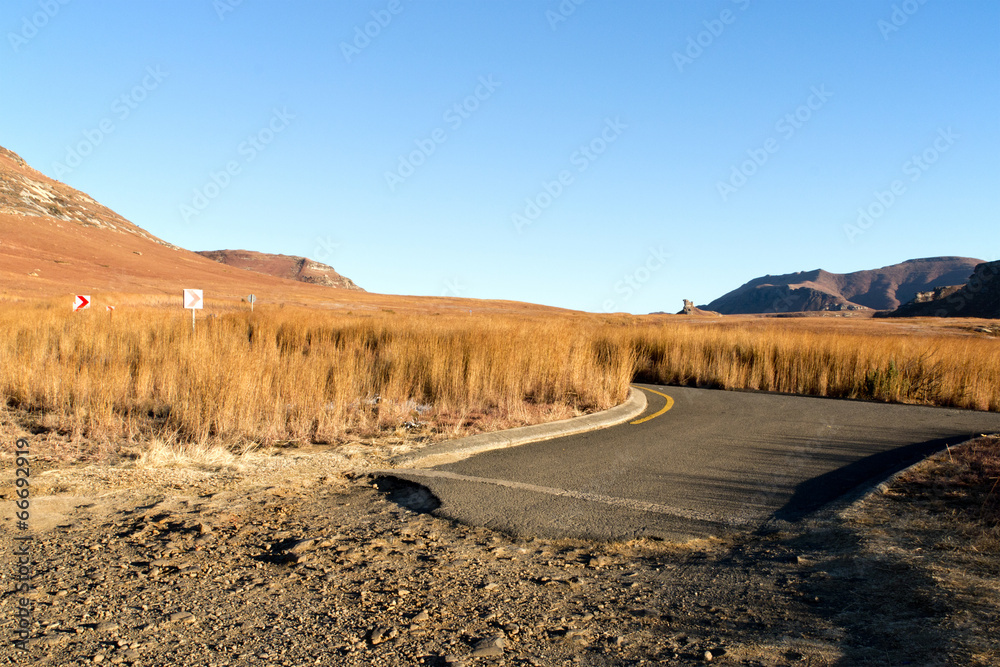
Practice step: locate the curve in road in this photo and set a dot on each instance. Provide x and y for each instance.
(699, 462)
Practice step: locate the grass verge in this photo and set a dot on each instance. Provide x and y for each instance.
(97, 385)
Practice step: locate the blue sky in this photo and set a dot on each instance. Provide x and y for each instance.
(600, 156)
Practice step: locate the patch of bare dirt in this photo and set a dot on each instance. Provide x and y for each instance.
(295, 559)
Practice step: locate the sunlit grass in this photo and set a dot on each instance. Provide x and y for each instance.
(319, 376)
(294, 374)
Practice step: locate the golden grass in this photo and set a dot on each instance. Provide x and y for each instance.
(319, 376)
(292, 374)
(874, 360)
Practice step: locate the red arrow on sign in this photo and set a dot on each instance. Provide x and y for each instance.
(81, 302)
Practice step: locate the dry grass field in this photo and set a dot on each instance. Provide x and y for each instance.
(928, 362)
(281, 375)
(298, 375)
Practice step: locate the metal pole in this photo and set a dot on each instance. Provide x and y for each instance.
(192, 319)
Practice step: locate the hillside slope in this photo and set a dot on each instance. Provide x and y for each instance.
(56, 241)
(878, 289)
(291, 267)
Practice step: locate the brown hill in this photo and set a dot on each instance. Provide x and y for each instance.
(979, 296)
(57, 241)
(878, 289)
(291, 267)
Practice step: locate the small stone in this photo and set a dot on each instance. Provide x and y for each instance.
(381, 634)
(422, 617)
(97, 659)
(181, 617)
(707, 656)
(490, 647)
(107, 626)
(302, 546)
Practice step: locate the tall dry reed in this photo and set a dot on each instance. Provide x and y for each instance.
(307, 375)
(288, 374)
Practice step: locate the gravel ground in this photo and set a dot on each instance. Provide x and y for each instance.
(307, 560)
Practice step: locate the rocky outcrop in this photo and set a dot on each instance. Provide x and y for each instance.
(292, 267)
(56, 240)
(691, 309)
(25, 192)
(978, 297)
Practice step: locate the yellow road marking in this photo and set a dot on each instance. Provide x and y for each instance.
(670, 404)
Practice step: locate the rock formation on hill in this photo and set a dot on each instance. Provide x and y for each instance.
(283, 266)
(55, 240)
(691, 309)
(878, 289)
(979, 296)
(25, 192)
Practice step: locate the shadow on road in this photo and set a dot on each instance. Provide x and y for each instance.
(814, 493)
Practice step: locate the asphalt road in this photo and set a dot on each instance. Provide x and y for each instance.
(716, 461)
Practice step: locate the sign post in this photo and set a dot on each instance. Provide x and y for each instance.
(194, 300)
(81, 302)
(252, 298)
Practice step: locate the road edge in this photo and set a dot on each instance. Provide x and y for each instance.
(457, 450)
(857, 497)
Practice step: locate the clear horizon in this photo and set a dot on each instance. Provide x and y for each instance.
(570, 153)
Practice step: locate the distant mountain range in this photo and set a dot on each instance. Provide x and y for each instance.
(282, 266)
(883, 289)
